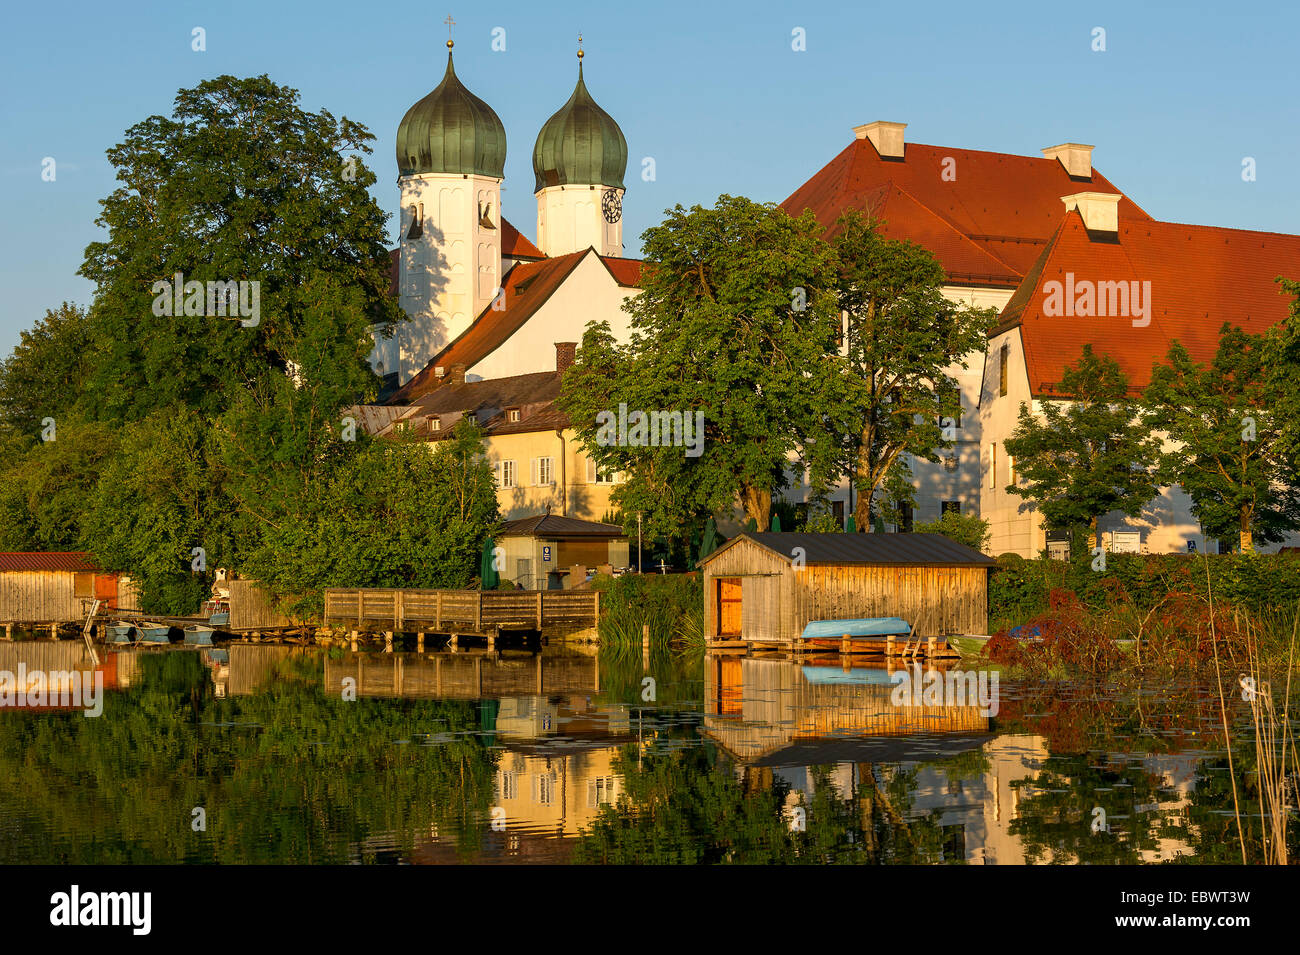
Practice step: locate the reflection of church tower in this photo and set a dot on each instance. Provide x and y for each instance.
(451, 154)
(579, 159)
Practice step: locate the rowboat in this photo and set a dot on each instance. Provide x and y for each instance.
(197, 635)
(154, 633)
(859, 627)
(119, 633)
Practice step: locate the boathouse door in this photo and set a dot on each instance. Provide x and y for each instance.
(106, 590)
(729, 604)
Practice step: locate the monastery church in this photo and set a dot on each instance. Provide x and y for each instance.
(495, 320)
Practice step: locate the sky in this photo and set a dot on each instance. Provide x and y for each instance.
(717, 94)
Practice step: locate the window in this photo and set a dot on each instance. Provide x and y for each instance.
(505, 473)
(950, 507)
(509, 786)
(905, 517)
(435, 423)
(1011, 469)
(1004, 356)
(837, 511)
(600, 791)
(950, 462)
(544, 788)
(543, 471)
(417, 221)
(993, 466)
(512, 415)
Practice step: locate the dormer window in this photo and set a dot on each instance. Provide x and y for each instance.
(435, 423)
(512, 415)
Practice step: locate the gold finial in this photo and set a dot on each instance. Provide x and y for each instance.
(579, 46)
(450, 23)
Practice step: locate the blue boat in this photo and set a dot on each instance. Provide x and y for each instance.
(220, 619)
(197, 635)
(868, 627)
(154, 633)
(120, 633)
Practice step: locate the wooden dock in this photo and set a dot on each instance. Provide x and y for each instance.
(890, 647)
(470, 612)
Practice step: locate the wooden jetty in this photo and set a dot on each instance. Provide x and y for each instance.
(483, 613)
(463, 676)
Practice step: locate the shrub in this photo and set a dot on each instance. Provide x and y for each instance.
(969, 529)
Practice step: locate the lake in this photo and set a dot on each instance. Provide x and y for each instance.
(262, 753)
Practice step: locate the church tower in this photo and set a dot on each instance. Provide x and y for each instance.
(451, 154)
(580, 158)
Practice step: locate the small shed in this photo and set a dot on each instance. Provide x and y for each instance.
(764, 588)
(541, 550)
(56, 587)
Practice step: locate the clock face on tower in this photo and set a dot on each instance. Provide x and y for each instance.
(612, 205)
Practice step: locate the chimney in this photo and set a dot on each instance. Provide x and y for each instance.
(886, 137)
(565, 352)
(457, 375)
(1075, 157)
(1100, 210)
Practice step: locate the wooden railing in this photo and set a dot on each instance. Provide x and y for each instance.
(459, 611)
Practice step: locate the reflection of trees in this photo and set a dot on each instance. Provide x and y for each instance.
(284, 776)
(690, 805)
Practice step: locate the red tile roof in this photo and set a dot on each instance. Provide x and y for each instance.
(46, 560)
(515, 246)
(528, 286)
(986, 226)
(626, 272)
(1201, 276)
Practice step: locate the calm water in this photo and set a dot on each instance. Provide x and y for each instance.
(278, 754)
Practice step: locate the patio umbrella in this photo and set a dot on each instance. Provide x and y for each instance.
(776, 524)
(710, 541)
(852, 526)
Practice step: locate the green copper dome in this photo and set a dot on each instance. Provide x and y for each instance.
(451, 130)
(580, 145)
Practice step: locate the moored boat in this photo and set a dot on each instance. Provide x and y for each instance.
(198, 635)
(154, 633)
(859, 627)
(119, 633)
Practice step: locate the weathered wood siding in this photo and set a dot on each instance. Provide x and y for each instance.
(937, 600)
(762, 574)
(779, 599)
(458, 676)
(251, 608)
(40, 596)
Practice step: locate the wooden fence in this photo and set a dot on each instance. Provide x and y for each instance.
(460, 611)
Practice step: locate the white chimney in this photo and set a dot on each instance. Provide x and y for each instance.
(1100, 210)
(886, 137)
(1075, 157)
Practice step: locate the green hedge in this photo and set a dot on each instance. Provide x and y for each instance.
(1262, 583)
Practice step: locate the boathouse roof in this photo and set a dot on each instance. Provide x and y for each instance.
(911, 550)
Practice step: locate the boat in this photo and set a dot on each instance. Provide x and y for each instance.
(154, 633)
(217, 612)
(857, 676)
(220, 619)
(971, 644)
(196, 634)
(119, 633)
(861, 627)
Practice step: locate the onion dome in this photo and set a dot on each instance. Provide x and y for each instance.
(451, 131)
(580, 145)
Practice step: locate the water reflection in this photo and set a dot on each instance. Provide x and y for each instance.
(301, 755)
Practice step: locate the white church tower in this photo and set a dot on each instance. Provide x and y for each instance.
(451, 153)
(580, 158)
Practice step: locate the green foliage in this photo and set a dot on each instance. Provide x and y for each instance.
(45, 373)
(1088, 454)
(240, 184)
(672, 604)
(737, 309)
(891, 394)
(1232, 454)
(969, 529)
(384, 514)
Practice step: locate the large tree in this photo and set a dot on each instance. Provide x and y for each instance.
(44, 375)
(1089, 453)
(239, 185)
(1231, 451)
(736, 320)
(893, 393)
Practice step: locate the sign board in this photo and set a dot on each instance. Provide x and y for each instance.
(546, 553)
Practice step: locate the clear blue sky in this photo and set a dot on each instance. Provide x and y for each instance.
(712, 91)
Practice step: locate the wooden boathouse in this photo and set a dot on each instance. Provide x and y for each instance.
(51, 588)
(764, 588)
